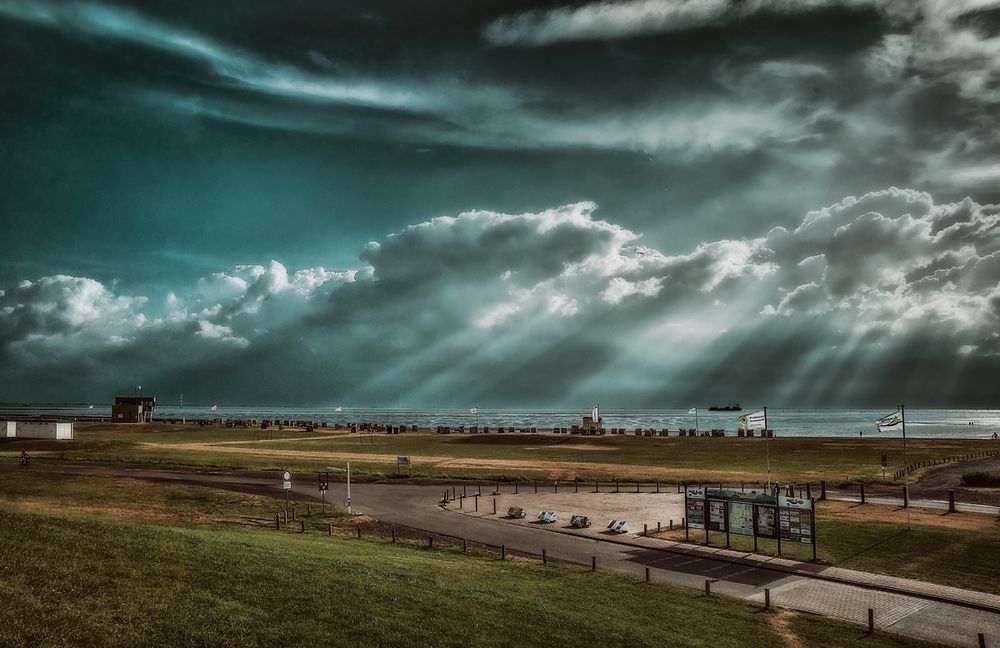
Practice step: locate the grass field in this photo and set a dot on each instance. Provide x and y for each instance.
(508, 456)
(89, 561)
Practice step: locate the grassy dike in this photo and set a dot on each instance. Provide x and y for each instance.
(102, 561)
(74, 579)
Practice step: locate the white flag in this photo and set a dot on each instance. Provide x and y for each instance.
(474, 410)
(753, 421)
(693, 410)
(890, 420)
(595, 414)
(338, 408)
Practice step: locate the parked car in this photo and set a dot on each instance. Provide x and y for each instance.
(580, 521)
(618, 526)
(547, 517)
(515, 512)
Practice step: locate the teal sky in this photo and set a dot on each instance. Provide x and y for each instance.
(645, 202)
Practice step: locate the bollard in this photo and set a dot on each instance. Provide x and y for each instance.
(616, 486)
(293, 514)
(465, 544)
(657, 487)
(597, 486)
(515, 488)
(536, 486)
(645, 529)
(647, 574)
(708, 587)
(657, 528)
(682, 523)
(461, 501)
(453, 496)
(555, 486)
(359, 531)
(982, 640)
(593, 563)
(871, 621)
(862, 492)
(545, 558)
(503, 552)
(392, 530)
(767, 599)
(309, 511)
(329, 528)
(637, 487)
(286, 516)
(430, 542)
(494, 506)
(576, 485)
(302, 526)
(277, 521)
(822, 489)
(464, 492)
(906, 497)
(671, 525)
(476, 499)
(951, 500)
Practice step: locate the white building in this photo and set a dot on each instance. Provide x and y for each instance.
(39, 429)
(8, 428)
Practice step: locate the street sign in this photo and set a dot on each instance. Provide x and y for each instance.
(324, 481)
(286, 485)
(885, 460)
(287, 476)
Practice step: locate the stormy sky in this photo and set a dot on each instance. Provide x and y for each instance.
(645, 203)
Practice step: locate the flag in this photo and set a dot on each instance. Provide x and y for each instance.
(338, 409)
(753, 421)
(474, 410)
(595, 414)
(890, 420)
(693, 410)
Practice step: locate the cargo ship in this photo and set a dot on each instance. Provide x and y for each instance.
(733, 407)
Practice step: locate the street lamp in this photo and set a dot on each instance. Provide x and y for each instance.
(349, 512)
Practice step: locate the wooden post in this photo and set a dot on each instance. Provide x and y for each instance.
(503, 552)
(393, 531)
(476, 499)
(822, 489)
(293, 514)
(302, 526)
(671, 527)
(430, 542)
(479, 490)
(906, 497)
(309, 511)
(555, 485)
(494, 506)
(871, 621)
(545, 559)
(708, 587)
(982, 640)
(286, 516)
(657, 486)
(767, 599)
(329, 528)
(616, 487)
(515, 488)
(647, 574)
(464, 492)
(951, 500)
(593, 563)
(597, 486)
(536, 485)
(637, 487)
(359, 531)
(277, 521)
(862, 492)
(465, 544)
(657, 528)
(461, 501)
(645, 529)
(576, 485)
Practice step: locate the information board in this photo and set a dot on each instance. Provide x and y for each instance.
(741, 518)
(766, 527)
(795, 519)
(694, 507)
(716, 515)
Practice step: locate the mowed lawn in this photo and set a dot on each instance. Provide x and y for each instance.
(85, 570)
(508, 456)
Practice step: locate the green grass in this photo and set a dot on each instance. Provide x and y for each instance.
(693, 459)
(82, 581)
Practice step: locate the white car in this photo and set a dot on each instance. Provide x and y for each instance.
(618, 526)
(547, 517)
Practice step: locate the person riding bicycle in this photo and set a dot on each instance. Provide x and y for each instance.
(25, 458)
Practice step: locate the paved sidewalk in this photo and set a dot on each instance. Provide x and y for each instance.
(939, 505)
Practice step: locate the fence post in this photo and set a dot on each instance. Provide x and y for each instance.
(576, 485)
(359, 531)
(645, 529)
(393, 530)
(545, 558)
(767, 598)
(593, 563)
(657, 528)
(277, 521)
(871, 621)
(329, 528)
(476, 498)
(647, 574)
(822, 489)
(536, 486)
(302, 526)
(293, 514)
(982, 640)
(430, 542)
(951, 500)
(494, 506)
(657, 486)
(906, 497)
(503, 552)
(708, 587)
(862, 492)
(286, 516)
(515, 488)
(465, 544)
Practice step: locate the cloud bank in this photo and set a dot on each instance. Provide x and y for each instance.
(882, 297)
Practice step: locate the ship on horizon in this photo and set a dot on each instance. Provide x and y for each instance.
(732, 407)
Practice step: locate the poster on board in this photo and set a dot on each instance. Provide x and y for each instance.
(694, 507)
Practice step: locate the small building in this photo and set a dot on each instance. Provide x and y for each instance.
(8, 429)
(133, 409)
(40, 429)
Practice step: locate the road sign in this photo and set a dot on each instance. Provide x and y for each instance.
(286, 485)
(885, 460)
(286, 476)
(324, 481)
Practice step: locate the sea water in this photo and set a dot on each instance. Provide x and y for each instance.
(925, 423)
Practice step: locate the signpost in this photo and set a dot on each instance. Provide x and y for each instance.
(286, 484)
(324, 485)
(885, 460)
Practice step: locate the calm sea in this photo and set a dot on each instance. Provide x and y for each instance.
(928, 423)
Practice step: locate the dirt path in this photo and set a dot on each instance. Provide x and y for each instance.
(938, 481)
(554, 469)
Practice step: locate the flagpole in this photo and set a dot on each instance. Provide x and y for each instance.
(767, 449)
(696, 420)
(906, 482)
